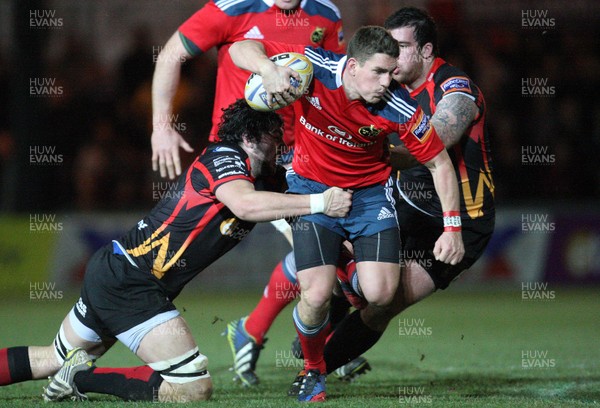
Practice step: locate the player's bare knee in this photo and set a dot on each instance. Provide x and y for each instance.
(199, 390)
(317, 299)
(381, 298)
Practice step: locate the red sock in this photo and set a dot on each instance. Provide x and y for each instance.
(131, 373)
(278, 294)
(313, 345)
(130, 383)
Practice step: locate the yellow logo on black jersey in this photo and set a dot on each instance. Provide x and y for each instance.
(231, 228)
(228, 226)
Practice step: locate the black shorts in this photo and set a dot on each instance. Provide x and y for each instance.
(419, 232)
(315, 245)
(116, 296)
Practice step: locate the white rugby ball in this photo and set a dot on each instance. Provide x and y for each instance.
(255, 93)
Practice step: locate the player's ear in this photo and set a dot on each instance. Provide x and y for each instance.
(247, 143)
(351, 66)
(427, 50)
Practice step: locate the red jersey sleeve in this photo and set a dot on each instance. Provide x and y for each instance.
(334, 39)
(420, 137)
(206, 28)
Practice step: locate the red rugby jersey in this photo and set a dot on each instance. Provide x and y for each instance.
(223, 22)
(339, 142)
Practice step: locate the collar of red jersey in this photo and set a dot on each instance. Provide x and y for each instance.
(271, 3)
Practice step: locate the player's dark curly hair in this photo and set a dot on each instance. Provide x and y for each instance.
(371, 40)
(423, 24)
(240, 120)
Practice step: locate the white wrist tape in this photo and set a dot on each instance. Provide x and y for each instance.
(317, 203)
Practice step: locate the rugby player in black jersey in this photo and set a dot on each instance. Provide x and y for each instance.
(130, 284)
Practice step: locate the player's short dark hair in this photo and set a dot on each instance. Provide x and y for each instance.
(240, 120)
(425, 30)
(371, 40)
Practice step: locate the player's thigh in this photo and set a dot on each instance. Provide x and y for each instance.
(377, 264)
(166, 341)
(77, 334)
(415, 285)
(315, 244)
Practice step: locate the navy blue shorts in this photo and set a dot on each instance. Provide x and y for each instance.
(372, 209)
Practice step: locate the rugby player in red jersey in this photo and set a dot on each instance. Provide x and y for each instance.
(219, 24)
(342, 125)
(457, 109)
(130, 284)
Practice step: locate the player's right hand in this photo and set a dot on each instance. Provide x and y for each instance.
(276, 82)
(449, 248)
(337, 202)
(165, 150)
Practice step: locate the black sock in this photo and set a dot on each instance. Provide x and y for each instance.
(131, 384)
(15, 365)
(339, 310)
(351, 338)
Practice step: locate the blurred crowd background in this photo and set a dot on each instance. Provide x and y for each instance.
(99, 61)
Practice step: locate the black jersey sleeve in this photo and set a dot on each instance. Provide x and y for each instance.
(451, 80)
(220, 164)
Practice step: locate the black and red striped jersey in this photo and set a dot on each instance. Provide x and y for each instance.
(189, 228)
(471, 156)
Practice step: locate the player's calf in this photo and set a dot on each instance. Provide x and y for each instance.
(18, 364)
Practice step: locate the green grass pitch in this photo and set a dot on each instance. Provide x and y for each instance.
(455, 349)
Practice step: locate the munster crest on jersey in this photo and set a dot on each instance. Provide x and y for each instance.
(317, 35)
(369, 131)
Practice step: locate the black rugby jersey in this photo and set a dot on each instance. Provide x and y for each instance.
(189, 228)
(471, 156)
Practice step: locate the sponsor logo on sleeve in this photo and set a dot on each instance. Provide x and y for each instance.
(229, 166)
(421, 129)
(455, 84)
(237, 160)
(225, 149)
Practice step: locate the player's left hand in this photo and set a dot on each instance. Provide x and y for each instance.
(449, 248)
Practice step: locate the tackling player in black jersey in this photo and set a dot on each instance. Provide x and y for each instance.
(130, 284)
